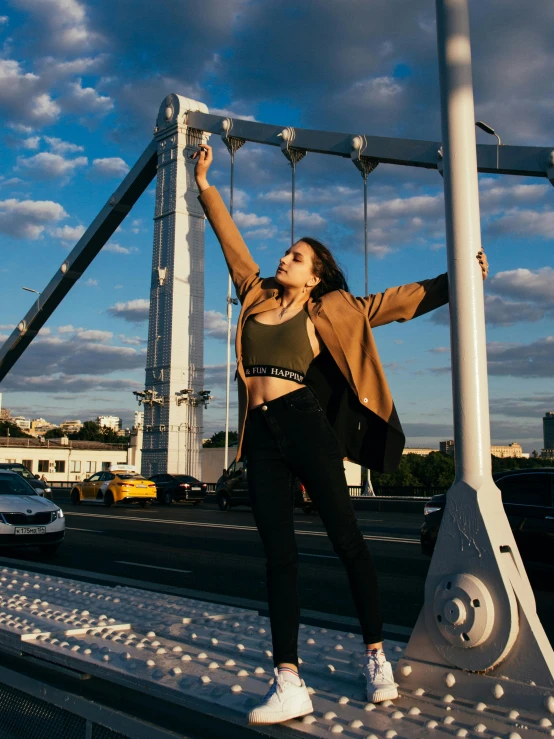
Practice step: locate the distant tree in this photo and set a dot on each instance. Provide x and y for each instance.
(13, 429)
(92, 431)
(56, 433)
(402, 476)
(218, 439)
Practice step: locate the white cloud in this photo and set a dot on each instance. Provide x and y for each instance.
(68, 329)
(32, 142)
(64, 23)
(86, 100)
(131, 340)
(47, 165)
(94, 335)
(118, 249)
(311, 195)
(306, 218)
(28, 218)
(59, 146)
(522, 360)
(526, 284)
(22, 96)
(375, 91)
(231, 114)
(68, 234)
(110, 167)
(91, 283)
(250, 220)
(240, 197)
(4, 20)
(44, 110)
(261, 233)
(215, 325)
(10, 182)
(524, 223)
(133, 311)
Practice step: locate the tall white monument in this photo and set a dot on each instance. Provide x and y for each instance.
(174, 395)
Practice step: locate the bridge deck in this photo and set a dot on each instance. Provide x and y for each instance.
(218, 658)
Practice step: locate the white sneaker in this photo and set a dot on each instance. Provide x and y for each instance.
(380, 680)
(284, 701)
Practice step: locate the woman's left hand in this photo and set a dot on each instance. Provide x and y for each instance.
(483, 263)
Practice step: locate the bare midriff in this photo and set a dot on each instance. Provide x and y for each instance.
(263, 389)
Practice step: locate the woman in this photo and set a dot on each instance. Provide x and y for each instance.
(311, 392)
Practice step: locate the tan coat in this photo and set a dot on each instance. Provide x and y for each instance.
(356, 398)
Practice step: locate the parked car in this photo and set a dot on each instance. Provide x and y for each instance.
(528, 498)
(120, 484)
(179, 488)
(232, 489)
(27, 519)
(40, 487)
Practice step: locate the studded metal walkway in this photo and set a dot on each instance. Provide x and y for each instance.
(219, 656)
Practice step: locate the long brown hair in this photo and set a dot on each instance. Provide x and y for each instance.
(326, 268)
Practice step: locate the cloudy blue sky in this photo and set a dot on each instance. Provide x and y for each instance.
(80, 86)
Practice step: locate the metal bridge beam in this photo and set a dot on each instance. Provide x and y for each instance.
(88, 246)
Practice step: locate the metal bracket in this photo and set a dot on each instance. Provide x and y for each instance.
(287, 136)
(366, 165)
(233, 143)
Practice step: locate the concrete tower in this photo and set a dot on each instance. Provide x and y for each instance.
(174, 395)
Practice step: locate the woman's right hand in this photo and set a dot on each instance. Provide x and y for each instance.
(204, 158)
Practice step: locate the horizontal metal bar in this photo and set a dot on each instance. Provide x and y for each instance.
(529, 161)
(86, 249)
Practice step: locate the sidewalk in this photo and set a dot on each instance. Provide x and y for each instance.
(218, 659)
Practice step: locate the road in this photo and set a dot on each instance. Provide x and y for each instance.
(217, 553)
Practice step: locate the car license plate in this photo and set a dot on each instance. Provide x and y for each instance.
(30, 530)
(142, 486)
(195, 490)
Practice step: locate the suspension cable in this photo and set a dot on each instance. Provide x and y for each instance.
(294, 156)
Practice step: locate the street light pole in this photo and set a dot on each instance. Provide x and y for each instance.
(30, 290)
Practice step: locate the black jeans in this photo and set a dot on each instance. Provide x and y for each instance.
(291, 437)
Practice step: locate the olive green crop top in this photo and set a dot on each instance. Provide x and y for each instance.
(282, 351)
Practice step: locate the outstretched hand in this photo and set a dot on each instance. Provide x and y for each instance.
(204, 158)
(483, 263)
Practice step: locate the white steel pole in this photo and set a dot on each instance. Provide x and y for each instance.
(229, 320)
(463, 239)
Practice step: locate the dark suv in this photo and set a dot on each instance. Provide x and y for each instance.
(232, 489)
(528, 498)
(179, 487)
(41, 487)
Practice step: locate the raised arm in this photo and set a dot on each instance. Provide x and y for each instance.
(412, 300)
(405, 302)
(244, 271)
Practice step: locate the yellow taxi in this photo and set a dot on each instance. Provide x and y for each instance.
(121, 483)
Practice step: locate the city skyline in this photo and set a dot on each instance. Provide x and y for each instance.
(79, 114)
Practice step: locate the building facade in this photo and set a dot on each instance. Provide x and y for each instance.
(110, 422)
(548, 431)
(60, 459)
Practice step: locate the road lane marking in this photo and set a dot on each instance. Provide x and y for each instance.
(152, 567)
(321, 556)
(397, 540)
(93, 531)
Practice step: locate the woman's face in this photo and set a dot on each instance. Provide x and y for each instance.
(296, 267)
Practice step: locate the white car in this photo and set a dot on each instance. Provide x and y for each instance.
(26, 518)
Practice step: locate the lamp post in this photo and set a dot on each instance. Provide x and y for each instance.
(30, 290)
(490, 130)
